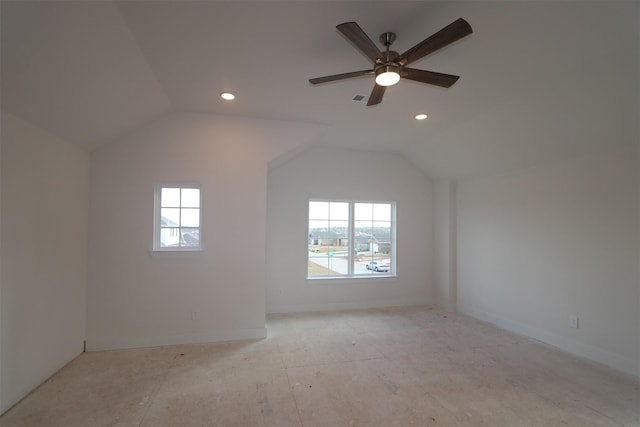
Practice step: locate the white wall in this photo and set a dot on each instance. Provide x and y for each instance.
(352, 175)
(540, 244)
(444, 243)
(2, 404)
(44, 227)
(136, 299)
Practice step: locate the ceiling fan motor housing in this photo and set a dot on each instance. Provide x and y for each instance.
(389, 67)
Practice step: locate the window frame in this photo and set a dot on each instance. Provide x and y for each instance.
(351, 275)
(157, 222)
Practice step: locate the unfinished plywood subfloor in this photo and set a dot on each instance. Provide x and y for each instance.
(386, 367)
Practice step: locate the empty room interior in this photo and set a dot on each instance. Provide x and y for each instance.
(321, 246)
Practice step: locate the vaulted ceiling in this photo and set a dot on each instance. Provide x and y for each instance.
(540, 81)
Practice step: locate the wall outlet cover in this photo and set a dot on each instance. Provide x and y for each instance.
(573, 321)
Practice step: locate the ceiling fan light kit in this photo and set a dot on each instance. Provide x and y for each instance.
(389, 66)
(387, 75)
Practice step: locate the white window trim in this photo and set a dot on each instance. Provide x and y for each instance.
(159, 251)
(350, 277)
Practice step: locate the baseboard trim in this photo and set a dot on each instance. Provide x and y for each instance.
(595, 354)
(309, 308)
(120, 343)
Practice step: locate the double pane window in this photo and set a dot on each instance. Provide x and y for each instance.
(351, 239)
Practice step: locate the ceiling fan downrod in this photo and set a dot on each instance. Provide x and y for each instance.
(387, 40)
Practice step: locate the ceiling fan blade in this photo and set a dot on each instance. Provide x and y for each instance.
(353, 32)
(452, 32)
(334, 77)
(429, 77)
(376, 95)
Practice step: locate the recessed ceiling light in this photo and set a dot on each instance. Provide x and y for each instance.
(421, 116)
(227, 96)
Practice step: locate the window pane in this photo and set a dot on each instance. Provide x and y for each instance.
(191, 237)
(327, 265)
(382, 212)
(317, 260)
(360, 263)
(338, 264)
(383, 240)
(190, 197)
(339, 227)
(190, 218)
(382, 230)
(328, 239)
(339, 238)
(318, 266)
(318, 210)
(316, 255)
(169, 217)
(363, 211)
(317, 225)
(363, 240)
(169, 237)
(363, 227)
(170, 197)
(338, 211)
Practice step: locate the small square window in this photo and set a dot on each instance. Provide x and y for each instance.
(177, 218)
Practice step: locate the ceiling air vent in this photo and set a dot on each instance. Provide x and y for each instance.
(359, 98)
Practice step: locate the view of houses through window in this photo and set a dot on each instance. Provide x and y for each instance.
(351, 238)
(177, 218)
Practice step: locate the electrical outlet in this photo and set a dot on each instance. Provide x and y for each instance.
(573, 321)
(194, 315)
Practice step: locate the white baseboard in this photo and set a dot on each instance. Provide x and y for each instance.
(117, 343)
(595, 354)
(309, 308)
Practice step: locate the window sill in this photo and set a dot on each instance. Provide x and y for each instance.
(352, 279)
(175, 253)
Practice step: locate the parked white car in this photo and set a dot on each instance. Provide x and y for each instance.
(378, 265)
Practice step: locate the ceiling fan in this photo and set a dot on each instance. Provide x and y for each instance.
(389, 66)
